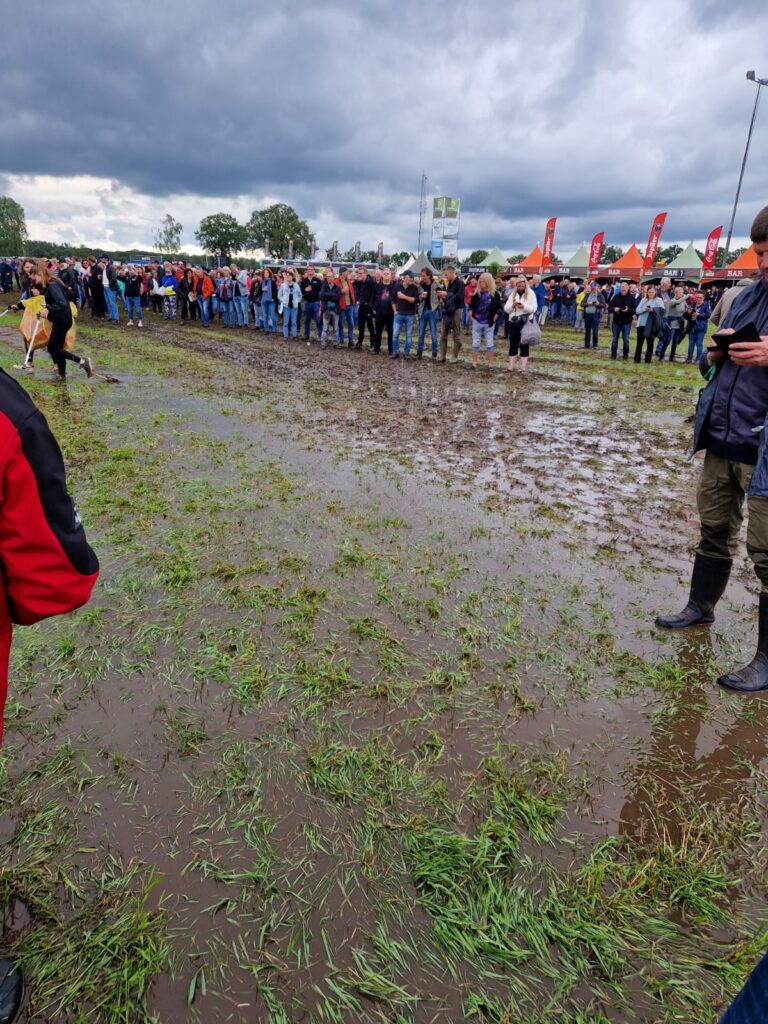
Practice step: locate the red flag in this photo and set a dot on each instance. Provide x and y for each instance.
(653, 240)
(710, 249)
(595, 252)
(549, 241)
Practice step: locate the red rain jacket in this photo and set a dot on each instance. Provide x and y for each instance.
(46, 565)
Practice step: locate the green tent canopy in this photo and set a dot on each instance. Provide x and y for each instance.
(495, 256)
(576, 266)
(685, 267)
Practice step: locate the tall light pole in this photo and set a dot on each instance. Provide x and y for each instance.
(422, 206)
(751, 77)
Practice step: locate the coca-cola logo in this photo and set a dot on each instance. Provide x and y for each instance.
(594, 253)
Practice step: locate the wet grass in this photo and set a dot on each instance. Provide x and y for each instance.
(348, 734)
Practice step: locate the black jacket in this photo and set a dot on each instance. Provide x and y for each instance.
(365, 291)
(57, 303)
(493, 309)
(454, 298)
(330, 296)
(617, 303)
(314, 284)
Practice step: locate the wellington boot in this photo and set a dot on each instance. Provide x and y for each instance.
(754, 676)
(708, 582)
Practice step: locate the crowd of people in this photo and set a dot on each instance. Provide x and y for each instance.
(342, 307)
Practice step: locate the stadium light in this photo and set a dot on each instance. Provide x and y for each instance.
(751, 77)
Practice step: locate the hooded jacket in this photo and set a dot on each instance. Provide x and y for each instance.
(46, 565)
(735, 401)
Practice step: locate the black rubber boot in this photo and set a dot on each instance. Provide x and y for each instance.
(708, 582)
(11, 991)
(754, 676)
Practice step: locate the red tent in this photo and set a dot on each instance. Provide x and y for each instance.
(629, 266)
(743, 266)
(530, 265)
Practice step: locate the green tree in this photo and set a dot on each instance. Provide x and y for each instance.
(168, 236)
(13, 227)
(495, 269)
(280, 224)
(516, 257)
(668, 253)
(477, 256)
(220, 235)
(611, 253)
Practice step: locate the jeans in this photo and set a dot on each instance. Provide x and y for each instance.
(311, 315)
(751, 1004)
(624, 330)
(556, 306)
(111, 299)
(256, 309)
(241, 309)
(591, 324)
(133, 304)
(268, 315)
(569, 313)
(229, 311)
(330, 321)
(402, 320)
(290, 316)
(465, 316)
(696, 337)
(427, 319)
(348, 317)
(480, 333)
(203, 307)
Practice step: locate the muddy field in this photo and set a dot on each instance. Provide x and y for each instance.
(367, 720)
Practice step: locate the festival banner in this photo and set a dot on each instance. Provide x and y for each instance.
(653, 240)
(313, 248)
(380, 251)
(290, 248)
(267, 250)
(334, 252)
(710, 249)
(549, 241)
(445, 227)
(357, 250)
(595, 252)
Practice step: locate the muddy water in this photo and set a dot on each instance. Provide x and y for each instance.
(534, 480)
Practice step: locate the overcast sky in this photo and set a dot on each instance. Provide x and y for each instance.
(599, 113)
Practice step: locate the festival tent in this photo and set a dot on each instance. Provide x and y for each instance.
(684, 267)
(743, 266)
(627, 267)
(419, 264)
(495, 256)
(530, 265)
(408, 265)
(576, 266)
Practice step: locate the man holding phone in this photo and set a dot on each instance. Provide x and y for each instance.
(731, 428)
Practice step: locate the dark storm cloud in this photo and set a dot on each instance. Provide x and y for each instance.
(601, 114)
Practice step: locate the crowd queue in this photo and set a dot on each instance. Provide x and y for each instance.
(341, 307)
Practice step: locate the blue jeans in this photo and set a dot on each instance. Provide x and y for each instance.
(402, 319)
(624, 329)
(465, 317)
(569, 313)
(482, 333)
(256, 308)
(229, 311)
(556, 307)
(111, 300)
(203, 307)
(751, 1004)
(268, 315)
(591, 324)
(427, 318)
(347, 316)
(290, 316)
(311, 315)
(133, 305)
(696, 337)
(241, 309)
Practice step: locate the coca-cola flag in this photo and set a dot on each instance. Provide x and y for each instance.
(710, 249)
(595, 252)
(549, 242)
(653, 240)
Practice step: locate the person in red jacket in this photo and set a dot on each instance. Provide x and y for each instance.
(46, 565)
